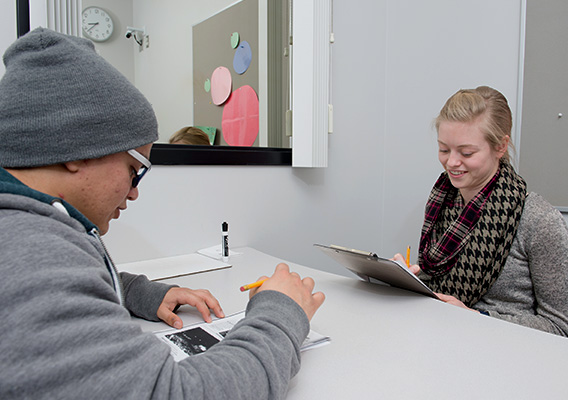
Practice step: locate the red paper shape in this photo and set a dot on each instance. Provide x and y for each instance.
(240, 117)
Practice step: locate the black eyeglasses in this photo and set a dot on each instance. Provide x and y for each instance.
(146, 166)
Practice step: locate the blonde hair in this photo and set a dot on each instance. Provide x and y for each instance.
(190, 135)
(485, 104)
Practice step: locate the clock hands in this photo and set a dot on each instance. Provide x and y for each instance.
(93, 24)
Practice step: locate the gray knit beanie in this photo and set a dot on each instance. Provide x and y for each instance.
(60, 101)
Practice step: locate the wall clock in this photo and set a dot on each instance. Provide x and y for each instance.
(97, 24)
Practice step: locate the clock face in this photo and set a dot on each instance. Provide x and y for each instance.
(97, 24)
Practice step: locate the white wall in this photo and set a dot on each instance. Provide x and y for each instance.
(394, 65)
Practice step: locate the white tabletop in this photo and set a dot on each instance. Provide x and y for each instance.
(392, 344)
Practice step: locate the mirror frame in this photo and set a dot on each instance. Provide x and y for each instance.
(172, 154)
(182, 154)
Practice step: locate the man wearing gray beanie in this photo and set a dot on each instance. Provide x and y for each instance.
(75, 138)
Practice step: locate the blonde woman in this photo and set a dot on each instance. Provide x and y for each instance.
(487, 244)
(190, 135)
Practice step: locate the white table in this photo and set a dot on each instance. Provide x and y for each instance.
(393, 344)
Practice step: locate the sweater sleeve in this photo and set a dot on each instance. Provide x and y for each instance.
(543, 246)
(65, 334)
(142, 297)
(256, 359)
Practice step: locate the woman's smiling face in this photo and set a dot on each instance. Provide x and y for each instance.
(467, 156)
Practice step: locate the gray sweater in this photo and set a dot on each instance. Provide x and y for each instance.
(532, 289)
(66, 335)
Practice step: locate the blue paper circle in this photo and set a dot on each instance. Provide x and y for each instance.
(243, 57)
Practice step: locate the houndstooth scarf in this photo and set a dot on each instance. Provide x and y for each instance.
(464, 248)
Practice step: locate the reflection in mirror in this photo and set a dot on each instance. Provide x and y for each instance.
(160, 62)
(182, 47)
(192, 135)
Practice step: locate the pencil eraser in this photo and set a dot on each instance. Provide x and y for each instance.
(242, 289)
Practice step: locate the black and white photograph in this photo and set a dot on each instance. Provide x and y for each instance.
(193, 341)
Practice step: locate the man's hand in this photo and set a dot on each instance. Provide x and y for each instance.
(200, 299)
(299, 290)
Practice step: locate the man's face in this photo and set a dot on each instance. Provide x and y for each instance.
(106, 185)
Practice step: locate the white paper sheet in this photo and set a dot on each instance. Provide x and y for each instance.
(198, 338)
(163, 268)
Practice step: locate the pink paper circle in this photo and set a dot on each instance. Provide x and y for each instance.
(221, 84)
(240, 117)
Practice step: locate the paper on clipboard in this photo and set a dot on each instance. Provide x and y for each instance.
(368, 265)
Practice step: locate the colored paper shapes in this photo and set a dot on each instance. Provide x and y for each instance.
(235, 39)
(242, 58)
(210, 131)
(240, 117)
(207, 85)
(221, 84)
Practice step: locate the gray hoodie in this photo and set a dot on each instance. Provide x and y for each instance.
(66, 328)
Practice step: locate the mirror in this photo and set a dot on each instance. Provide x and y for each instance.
(160, 63)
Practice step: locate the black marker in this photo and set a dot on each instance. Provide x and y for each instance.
(225, 241)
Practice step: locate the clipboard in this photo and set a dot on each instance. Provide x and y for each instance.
(367, 265)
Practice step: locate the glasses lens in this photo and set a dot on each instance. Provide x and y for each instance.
(138, 177)
(146, 165)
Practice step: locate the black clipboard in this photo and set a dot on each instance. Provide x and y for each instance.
(367, 265)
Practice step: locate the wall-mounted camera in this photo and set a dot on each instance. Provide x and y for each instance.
(136, 33)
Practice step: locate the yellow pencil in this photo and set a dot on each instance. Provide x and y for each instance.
(408, 256)
(252, 285)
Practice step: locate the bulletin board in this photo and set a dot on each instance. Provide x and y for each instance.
(213, 49)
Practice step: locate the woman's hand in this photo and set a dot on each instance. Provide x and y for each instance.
(452, 300)
(415, 269)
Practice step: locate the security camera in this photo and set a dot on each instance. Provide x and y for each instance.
(136, 33)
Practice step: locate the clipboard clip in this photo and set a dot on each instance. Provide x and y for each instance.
(361, 252)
